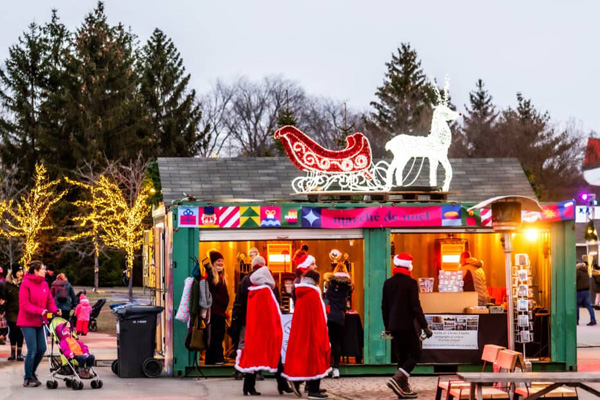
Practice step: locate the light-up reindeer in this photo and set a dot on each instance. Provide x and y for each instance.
(433, 146)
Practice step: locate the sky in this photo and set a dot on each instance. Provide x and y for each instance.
(548, 50)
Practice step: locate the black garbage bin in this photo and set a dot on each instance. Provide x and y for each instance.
(136, 341)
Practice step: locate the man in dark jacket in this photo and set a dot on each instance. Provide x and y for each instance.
(583, 292)
(402, 313)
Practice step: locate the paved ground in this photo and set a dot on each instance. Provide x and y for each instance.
(223, 389)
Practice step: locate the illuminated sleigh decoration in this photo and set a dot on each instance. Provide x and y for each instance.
(350, 169)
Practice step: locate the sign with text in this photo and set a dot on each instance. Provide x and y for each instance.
(452, 332)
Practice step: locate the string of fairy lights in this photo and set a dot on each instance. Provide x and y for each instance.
(105, 216)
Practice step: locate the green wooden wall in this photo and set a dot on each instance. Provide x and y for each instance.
(185, 245)
(377, 270)
(564, 318)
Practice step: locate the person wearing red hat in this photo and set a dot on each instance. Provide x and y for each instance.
(400, 308)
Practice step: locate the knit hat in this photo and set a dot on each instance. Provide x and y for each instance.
(403, 260)
(258, 261)
(214, 256)
(305, 262)
(14, 268)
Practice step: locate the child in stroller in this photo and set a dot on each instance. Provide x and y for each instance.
(74, 362)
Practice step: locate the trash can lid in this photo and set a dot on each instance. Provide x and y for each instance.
(136, 309)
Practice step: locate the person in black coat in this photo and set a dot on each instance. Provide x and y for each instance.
(336, 299)
(402, 317)
(10, 295)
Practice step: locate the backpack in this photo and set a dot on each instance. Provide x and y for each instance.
(62, 294)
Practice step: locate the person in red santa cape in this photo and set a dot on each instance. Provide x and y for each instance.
(261, 337)
(401, 311)
(308, 351)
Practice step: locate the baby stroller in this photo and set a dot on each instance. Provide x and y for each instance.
(96, 308)
(63, 368)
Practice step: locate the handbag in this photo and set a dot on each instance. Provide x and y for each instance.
(194, 340)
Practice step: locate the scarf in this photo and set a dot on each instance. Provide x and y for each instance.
(401, 270)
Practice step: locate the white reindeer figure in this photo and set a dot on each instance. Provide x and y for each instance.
(433, 146)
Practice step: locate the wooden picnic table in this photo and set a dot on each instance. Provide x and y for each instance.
(557, 379)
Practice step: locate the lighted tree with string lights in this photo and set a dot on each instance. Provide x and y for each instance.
(121, 221)
(90, 222)
(27, 219)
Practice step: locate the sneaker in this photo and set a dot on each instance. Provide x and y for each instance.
(399, 385)
(335, 373)
(31, 383)
(319, 395)
(592, 323)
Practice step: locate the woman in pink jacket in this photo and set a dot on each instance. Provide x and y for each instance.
(35, 300)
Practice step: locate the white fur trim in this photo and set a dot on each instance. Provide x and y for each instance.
(310, 260)
(306, 378)
(239, 352)
(402, 263)
(342, 275)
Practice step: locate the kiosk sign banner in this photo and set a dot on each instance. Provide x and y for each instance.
(452, 332)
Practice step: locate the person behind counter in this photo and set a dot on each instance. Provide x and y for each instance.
(218, 311)
(474, 277)
(401, 307)
(336, 298)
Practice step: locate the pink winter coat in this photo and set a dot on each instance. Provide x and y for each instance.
(83, 309)
(70, 346)
(34, 297)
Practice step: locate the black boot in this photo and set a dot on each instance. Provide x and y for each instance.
(283, 386)
(13, 351)
(19, 355)
(250, 385)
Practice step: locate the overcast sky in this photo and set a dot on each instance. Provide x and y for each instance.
(339, 48)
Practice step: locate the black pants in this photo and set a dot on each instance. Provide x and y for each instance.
(250, 379)
(313, 386)
(214, 352)
(336, 338)
(15, 335)
(408, 349)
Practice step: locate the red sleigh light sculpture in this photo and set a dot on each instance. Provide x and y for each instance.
(350, 169)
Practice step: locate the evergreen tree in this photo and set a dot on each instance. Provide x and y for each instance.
(479, 126)
(173, 110)
(285, 116)
(103, 110)
(405, 100)
(22, 82)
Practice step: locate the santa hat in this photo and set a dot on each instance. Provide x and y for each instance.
(305, 262)
(300, 256)
(403, 260)
(214, 256)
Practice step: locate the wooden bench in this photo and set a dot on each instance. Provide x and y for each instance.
(506, 360)
(554, 380)
(489, 355)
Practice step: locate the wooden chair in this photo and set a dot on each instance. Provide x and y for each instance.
(507, 360)
(534, 387)
(489, 355)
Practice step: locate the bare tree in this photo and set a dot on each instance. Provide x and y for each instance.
(329, 121)
(214, 107)
(247, 112)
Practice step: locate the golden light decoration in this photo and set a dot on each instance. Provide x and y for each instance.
(26, 221)
(121, 223)
(91, 221)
